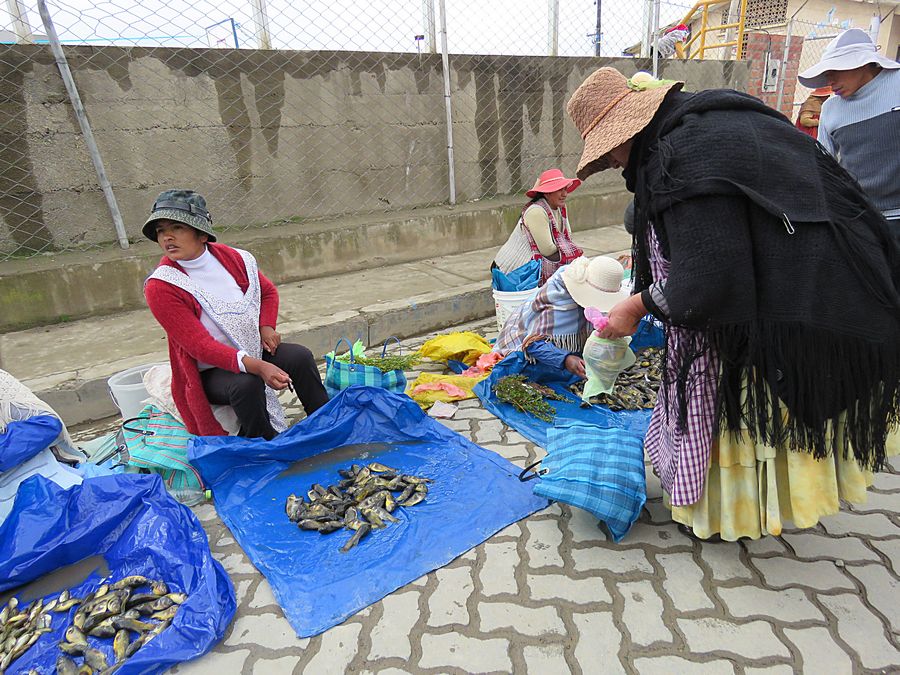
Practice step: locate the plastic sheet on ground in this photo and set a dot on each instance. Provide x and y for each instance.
(476, 493)
(115, 525)
(567, 412)
(649, 334)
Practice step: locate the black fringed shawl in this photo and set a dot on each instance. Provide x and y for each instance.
(779, 263)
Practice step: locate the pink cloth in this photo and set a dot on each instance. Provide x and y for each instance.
(483, 365)
(451, 389)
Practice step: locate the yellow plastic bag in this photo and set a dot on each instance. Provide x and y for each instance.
(426, 399)
(465, 347)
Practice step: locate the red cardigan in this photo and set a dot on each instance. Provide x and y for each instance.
(178, 313)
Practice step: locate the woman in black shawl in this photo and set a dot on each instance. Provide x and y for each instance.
(779, 285)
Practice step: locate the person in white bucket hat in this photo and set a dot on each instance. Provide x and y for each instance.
(552, 329)
(860, 125)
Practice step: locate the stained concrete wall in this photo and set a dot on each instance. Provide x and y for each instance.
(274, 137)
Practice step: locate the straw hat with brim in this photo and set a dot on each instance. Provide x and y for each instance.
(608, 109)
(551, 181)
(851, 49)
(182, 206)
(595, 282)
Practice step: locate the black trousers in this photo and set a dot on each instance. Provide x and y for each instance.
(246, 393)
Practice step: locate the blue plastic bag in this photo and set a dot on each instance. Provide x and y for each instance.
(599, 470)
(522, 278)
(137, 528)
(476, 493)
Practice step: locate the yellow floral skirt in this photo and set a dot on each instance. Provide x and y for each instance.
(752, 490)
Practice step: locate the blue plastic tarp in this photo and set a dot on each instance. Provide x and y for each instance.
(567, 412)
(475, 494)
(131, 526)
(23, 439)
(522, 278)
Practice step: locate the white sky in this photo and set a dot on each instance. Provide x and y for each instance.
(473, 26)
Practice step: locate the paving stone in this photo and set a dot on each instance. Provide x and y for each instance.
(787, 605)
(448, 602)
(513, 436)
(764, 545)
(684, 582)
(469, 654)
(809, 545)
(654, 487)
(783, 669)
(514, 530)
(869, 524)
(487, 435)
(724, 561)
(263, 597)
(891, 548)
(661, 535)
(598, 643)
(882, 591)
(205, 512)
(525, 620)
(618, 561)
(643, 613)
(886, 481)
(240, 590)
(214, 662)
(386, 671)
(583, 527)
(266, 630)
(544, 540)
(667, 665)
(561, 587)
(510, 452)
(459, 426)
(785, 573)
(225, 541)
(338, 647)
(498, 572)
(390, 637)
(474, 413)
(285, 664)
(862, 630)
(819, 651)
(546, 660)
(877, 501)
(754, 640)
(658, 511)
(237, 563)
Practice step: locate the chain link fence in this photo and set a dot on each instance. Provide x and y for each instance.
(282, 112)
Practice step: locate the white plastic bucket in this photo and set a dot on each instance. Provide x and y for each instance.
(507, 302)
(127, 391)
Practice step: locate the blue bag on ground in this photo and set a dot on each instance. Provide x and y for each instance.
(475, 494)
(598, 470)
(117, 526)
(522, 278)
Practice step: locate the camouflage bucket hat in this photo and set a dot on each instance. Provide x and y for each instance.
(182, 206)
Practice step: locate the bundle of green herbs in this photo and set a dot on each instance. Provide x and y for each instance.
(385, 363)
(527, 396)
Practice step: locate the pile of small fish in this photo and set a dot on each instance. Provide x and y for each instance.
(111, 611)
(636, 386)
(363, 500)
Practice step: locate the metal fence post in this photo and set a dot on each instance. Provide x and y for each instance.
(553, 29)
(784, 58)
(428, 16)
(83, 122)
(21, 27)
(445, 60)
(655, 24)
(261, 19)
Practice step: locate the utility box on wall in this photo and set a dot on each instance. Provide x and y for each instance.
(768, 68)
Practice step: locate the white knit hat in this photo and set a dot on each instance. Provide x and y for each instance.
(595, 282)
(851, 49)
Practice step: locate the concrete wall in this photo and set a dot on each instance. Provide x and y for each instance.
(279, 137)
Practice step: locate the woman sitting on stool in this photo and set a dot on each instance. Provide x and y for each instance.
(219, 313)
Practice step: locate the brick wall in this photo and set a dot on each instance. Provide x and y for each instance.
(758, 45)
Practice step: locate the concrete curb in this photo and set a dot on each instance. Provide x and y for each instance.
(85, 397)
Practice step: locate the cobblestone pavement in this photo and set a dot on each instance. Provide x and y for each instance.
(550, 595)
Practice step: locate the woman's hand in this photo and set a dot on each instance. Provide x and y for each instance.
(575, 365)
(270, 339)
(624, 318)
(269, 373)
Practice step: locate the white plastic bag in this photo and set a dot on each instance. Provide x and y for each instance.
(603, 361)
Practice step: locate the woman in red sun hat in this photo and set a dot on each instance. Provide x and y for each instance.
(543, 232)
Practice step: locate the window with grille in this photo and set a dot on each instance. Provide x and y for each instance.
(763, 13)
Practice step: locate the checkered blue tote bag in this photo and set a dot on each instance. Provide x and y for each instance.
(339, 374)
(597, 469)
